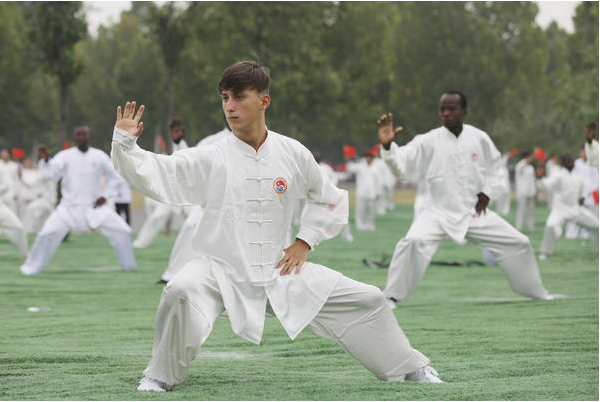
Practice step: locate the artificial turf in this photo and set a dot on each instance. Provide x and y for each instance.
(93, 334)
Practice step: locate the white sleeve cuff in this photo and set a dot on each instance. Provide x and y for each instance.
(124, 138)
(309, 236)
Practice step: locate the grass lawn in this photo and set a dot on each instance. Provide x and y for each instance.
(93, 334)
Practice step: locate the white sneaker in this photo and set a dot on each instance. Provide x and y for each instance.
(425, 374)
(391, 303)
(543, 257)
(149, 384)
(547, 297)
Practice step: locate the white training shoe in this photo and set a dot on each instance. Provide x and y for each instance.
(149, 384)
(543, 257)
(425, 374)
(391, 303)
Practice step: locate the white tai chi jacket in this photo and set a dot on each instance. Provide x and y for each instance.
(566, 188)
(524, 179)
(591, 151)
(455, 171)
(368, 182)
(81, 174)
(248, 198)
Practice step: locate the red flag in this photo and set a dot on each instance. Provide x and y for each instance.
(349, 151)
(596, 196)
(66, 144)
(161, 142)
(17, 152)
(513, 152)
(539, 154)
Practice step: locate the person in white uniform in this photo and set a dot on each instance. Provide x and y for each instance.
(460, 164)
(183, 249)
(162, 213)
(11, 196)
(367, 188)
(502, 201)
(569, 190)
(525, 190)
(122, 199)
(37, 197)
(590, 174)
(591, 144)
(248, 184)
(10, 224)
(82, 207)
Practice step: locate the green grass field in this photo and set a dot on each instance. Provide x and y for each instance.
(93, 336)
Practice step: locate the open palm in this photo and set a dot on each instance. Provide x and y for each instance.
(386, 130)
(127, 121)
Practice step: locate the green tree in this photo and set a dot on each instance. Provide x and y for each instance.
(57, 27)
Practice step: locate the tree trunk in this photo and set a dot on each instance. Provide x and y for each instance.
(62, 115)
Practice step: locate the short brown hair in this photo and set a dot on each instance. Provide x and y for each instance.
(245, 75)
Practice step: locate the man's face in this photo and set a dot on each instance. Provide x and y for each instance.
(243, 109)
(5, 155)
(82, 137)
(27, 163)
(177, 132)
(451, 112)
(569, 162)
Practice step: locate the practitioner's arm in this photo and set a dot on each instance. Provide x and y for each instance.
(51, 169)
(177, 179)
(494, 184)
(324, 216)
(402, 161)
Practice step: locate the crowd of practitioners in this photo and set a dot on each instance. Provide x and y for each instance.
(234, 189)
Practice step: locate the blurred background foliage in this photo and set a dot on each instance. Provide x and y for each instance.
(335, 66)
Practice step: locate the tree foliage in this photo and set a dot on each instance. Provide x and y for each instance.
(336, 66)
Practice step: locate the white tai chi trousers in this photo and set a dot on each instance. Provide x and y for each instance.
(525, 216)
(364, 213)
(36, 213)
(584, 218)
(510, 248)
(11, 227)
(355, 315)
(79, 219)
(183, 251)
(153, 224)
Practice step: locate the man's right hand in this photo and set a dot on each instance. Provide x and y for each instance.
(386, 130)
(127, 121)
(44, 152)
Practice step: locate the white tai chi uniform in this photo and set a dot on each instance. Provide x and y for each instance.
(333, 177)
(567, 187)
(502, 201)
(591, 150)
(387, 180)
(81, 174)
(37, 199)
(551, 168)
(525, 191)
(10, 224)
(160, 215)
(590, 174)
(456, 170)
(183, 250)
(248, 198)
(367, 189)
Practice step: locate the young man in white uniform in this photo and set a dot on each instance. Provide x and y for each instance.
(162, 212)
(183, 250)
(569, 190)
(502, 201)
(248, 184)
(82, 207)
(10, 224)
(590, 174)
(460, 165)
(525, 191)
(368, 186)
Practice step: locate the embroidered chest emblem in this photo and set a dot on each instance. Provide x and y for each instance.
(279, 185)
(474, 157)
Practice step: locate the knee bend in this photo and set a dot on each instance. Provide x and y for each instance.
(176, 290)
(372, 298)
(522, 242)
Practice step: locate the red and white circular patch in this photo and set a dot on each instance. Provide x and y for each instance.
(280, 185)
(474, 157)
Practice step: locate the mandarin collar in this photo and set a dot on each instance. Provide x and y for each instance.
(246, 149)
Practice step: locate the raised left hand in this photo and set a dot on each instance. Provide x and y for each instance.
(294, 257)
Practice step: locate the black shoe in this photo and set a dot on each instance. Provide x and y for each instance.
(161, 282)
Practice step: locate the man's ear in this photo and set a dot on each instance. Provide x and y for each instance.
(265, 101)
